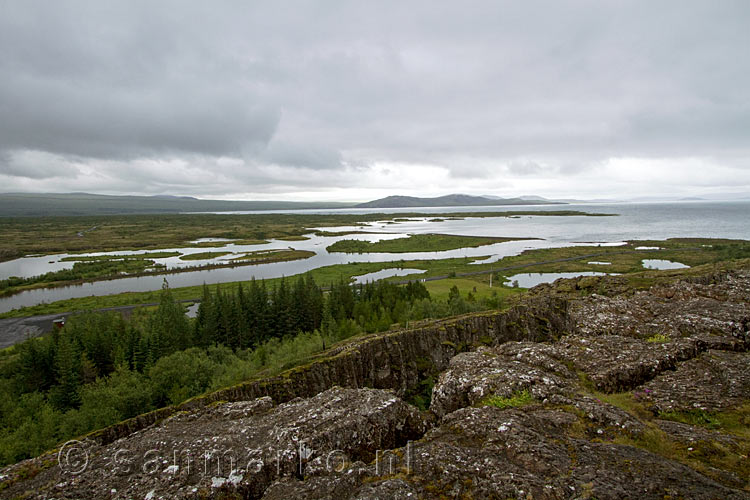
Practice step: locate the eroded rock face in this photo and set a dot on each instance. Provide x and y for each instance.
(240, 447)
(610, 362)
(718, 304)
(615, 363)
(492, 453)
(716, 380)
(701, 363)
(504, 370)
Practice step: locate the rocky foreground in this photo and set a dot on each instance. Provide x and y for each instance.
(613, 394)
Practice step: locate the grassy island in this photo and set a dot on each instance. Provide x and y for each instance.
(415, 243)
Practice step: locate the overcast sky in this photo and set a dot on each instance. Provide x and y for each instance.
(329, 100)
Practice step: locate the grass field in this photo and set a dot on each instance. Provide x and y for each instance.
(479, 289)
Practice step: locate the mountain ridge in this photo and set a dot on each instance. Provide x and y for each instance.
(451, 200)
(79, 203)
(67, 204)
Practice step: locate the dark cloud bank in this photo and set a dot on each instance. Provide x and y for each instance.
(350, 100)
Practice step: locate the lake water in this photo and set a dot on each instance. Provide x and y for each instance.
(192, 310)
(636, 221)
(662, 264)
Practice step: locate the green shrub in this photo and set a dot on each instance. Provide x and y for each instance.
(658, 338)
(519, 398)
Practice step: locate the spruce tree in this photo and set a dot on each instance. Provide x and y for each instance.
(65, 394)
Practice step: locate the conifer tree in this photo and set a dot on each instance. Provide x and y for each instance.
(170, 323)
(64, 394)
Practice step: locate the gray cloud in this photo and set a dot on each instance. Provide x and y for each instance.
(525, 168)
(36, 165)
(237, 98)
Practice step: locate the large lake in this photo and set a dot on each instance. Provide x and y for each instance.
(636, 221)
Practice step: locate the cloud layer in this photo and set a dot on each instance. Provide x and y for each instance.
(353, 100)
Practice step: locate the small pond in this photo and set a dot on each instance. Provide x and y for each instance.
(529, 280)
(662, 264)
(192, 310)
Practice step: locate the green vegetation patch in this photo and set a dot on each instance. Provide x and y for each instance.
(708, 457)
(658, 338)
(415, 243)
(274, 255)
(470, 288)
(204, 255)
(735, 421)
(219, 244)
(625, 401)
(250, 242)
(99, 258)
(344, 233)
(293, 238)
(519, 398)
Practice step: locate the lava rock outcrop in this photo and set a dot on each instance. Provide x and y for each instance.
(623, 394)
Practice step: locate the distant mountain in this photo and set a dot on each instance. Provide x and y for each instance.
(542, 199)
(570, 200)
(533, 197)
(172, 197)
(451, 200)
(726, 196)
(43, 204)
(528, 197)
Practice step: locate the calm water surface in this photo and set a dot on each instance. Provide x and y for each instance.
(530, 280)
(636, 221)
(662, 264)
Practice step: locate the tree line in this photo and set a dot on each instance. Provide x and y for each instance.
(102, 367)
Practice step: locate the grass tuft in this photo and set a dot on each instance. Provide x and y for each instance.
(519, 398)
